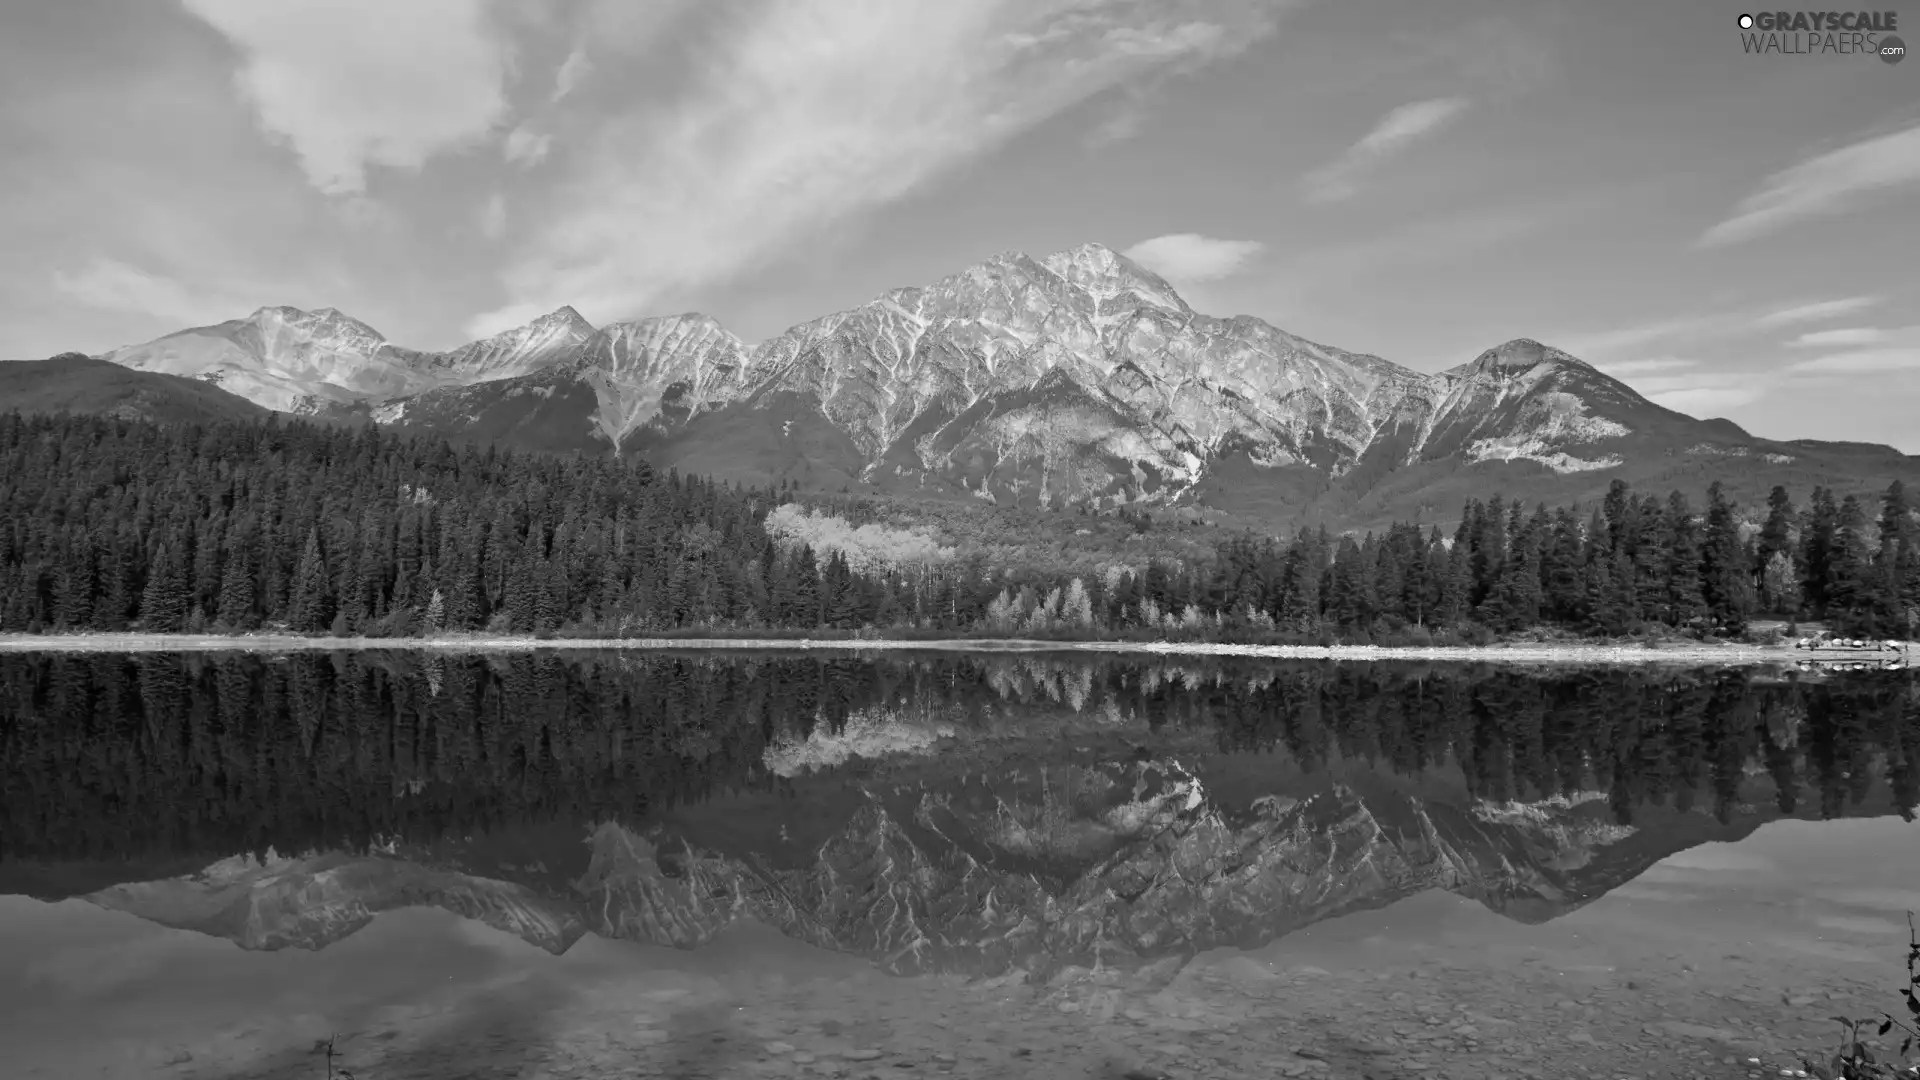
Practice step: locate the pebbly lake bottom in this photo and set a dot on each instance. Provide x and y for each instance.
(1725, 960)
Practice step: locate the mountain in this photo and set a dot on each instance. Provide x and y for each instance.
(1123, 864)
(1081, 379)
(73, 383)
(324, 362)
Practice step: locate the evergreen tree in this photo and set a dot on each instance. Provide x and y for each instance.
(1777, 534)
(1726, 576)
(309, 603)
(163, 604)
(1895, 573)
(235, 607)
(1684, 600)
(1850, 601)
(1817, 547)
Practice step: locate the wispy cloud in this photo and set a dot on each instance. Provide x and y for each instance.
(1685, 384)
(525, 147)
(1861, 362)
(493, 216)
(112, 285)
(353, 83)
(1814, 312)
(1603, 346)
(1623, 368)
(1125, 117)
(1850, 336)
(810, 113)
(1823, 184)
(1609, 348)
(1438, 238)
(1396, 131)
(1861, 352)
(573, 71)
(1703, 392)
(1189, 257)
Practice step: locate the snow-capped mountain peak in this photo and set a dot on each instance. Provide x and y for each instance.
(1081, 378)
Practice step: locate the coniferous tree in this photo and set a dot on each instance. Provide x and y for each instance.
(1726, 576)
(1895, 574)
(309, 605)
(1850, 571)
(163, 603)
(1684, 601)
(1817, 547)
(235, 606)
(1776, 535)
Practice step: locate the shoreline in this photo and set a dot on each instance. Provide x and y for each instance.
(1683, 653)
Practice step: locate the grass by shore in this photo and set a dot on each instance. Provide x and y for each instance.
(1671, 652)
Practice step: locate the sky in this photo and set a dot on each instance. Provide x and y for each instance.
(1732, 234)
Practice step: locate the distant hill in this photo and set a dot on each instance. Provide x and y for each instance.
(74, 383)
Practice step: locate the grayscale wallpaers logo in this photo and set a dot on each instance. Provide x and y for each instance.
(1813, 33)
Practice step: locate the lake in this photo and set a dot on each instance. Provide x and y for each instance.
(681, 864)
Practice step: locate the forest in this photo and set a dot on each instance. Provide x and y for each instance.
(110, 524)
(235, 752)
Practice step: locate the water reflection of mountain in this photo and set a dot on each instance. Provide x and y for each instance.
(982, 814)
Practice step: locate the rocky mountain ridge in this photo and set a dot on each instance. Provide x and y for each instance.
(1118, 866)
(1080, 379)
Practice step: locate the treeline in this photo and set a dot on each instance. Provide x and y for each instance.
(110, 524)
(1633, 563)
(115, 756)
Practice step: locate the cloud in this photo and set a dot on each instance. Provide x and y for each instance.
(1189, 257)
(1846, 336)
(1861, 362)
(353, 83)
(630, 28)
(1622, 368)
(1703, 327)
(1125, 118)
(1814, 312)
(1703, 393)
(112, 285)
(572, 73)
(1396, 131)
(807, 114)
(1596, 347)
(1445, 237)
(525, 147)
(493, 217)
(1685, 384)
(1824, 184)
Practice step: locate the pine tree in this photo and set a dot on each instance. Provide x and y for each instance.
(1850, 592)
(1817, 547)
(235, 607)
(1684, 600)
(163, 604)
(1894, 572)
(1726, 577)
(1777, 534)
(309, 603)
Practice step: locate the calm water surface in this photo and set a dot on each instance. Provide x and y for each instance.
(684, 865)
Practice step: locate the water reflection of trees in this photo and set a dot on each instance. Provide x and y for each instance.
(113, 756)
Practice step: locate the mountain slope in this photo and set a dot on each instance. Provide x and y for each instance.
(1123, 864)
(73, 383)
(1080, 379)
